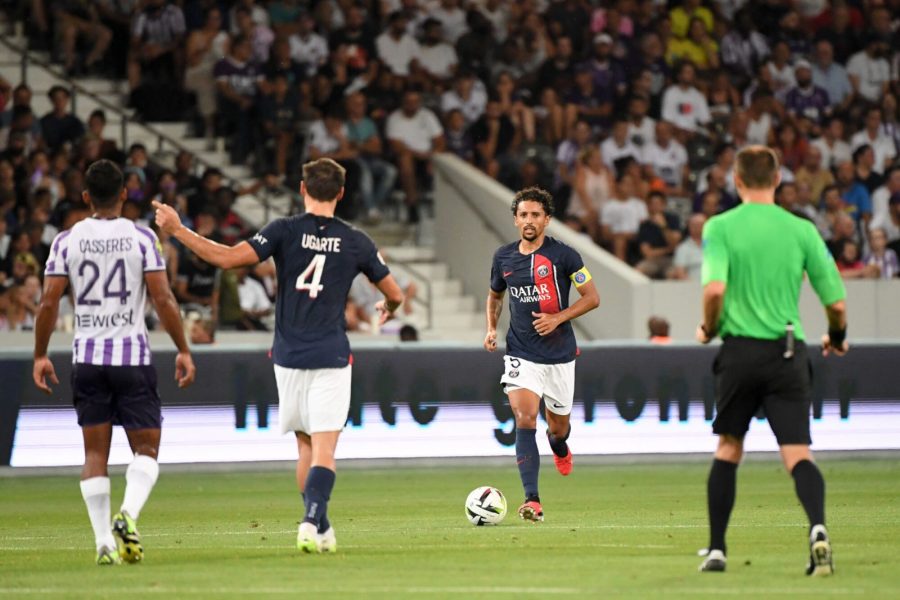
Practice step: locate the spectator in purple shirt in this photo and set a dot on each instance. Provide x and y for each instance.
(805, 100)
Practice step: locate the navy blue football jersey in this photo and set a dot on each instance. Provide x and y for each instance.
(538, 282)
(317, 259)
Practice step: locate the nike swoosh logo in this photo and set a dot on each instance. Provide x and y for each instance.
(557, 405)
(507, 273)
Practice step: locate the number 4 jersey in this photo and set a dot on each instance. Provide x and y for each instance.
(317, 259)
(105, 261)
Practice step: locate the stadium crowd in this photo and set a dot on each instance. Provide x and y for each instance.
(630, 111)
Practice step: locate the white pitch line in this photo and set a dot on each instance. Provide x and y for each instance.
(538, 527)
(353, 546)
(462, 590)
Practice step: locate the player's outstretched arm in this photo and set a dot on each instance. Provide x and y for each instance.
(170, 317)
(546, 323)
(835, 342)
(54, 287)
(393, 298)
(493, 310)
(220, 255)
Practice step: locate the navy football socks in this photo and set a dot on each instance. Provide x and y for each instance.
(319, 484)
(559, 445)
(324, 524)
(529, 461)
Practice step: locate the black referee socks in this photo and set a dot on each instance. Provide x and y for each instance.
(810, 488)
(720, 491)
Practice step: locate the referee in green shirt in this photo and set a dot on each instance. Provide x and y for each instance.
(754, 260)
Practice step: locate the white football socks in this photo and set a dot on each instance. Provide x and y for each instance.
(95, 492)
(139, 480)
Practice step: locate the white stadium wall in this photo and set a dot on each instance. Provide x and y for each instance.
(473, 219)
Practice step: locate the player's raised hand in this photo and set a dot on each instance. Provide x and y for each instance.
(43, 371)
(384, 315)
(185, 371)
(490, 340)
(828, 348)
(167, 218)
(545, 323)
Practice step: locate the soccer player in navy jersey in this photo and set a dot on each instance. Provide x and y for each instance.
(316, 257)
(540, 345)
(111, 264)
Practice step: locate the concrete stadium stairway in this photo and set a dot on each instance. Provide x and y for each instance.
(441, 310)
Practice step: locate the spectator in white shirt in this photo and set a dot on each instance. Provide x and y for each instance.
(308, 47)
(641, 128)
(415, 134)
(468, 94)
(618, 145)
(781, 69)
(667, 159)
(255, 303)
(437, 58)
(688, 261)
(882, 195)
(452, 17)
(397, 49)
(621, 217)
(684, 105)
(870, 71)
(873, 135)
(832, 145)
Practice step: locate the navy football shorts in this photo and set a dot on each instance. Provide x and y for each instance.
(125, 396)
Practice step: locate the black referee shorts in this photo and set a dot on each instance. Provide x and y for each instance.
(753, 374)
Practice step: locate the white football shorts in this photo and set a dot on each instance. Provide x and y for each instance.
(554, 383)
(313, 400)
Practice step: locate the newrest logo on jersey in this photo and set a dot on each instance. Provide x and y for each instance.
(531, 293)
(260, 239)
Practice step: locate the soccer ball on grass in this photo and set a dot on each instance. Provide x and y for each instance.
(485, 506)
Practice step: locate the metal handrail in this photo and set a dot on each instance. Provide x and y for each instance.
(76, 89)
(428, 288)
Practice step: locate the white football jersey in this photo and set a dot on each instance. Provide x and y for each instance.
(105, 261)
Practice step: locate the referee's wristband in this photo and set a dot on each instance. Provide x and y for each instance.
(837, 336)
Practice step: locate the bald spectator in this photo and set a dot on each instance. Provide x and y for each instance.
(688, 259)
(832, 77)
(813, 173)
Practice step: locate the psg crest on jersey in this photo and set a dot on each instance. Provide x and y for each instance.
(543, 271)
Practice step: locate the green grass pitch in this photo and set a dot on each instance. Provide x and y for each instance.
(611, 531)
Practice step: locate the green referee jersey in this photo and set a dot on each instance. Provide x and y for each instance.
(760, 252)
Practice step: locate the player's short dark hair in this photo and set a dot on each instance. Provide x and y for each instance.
(324, 179)
(104, 182)
(757, 167)
(534, 194)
